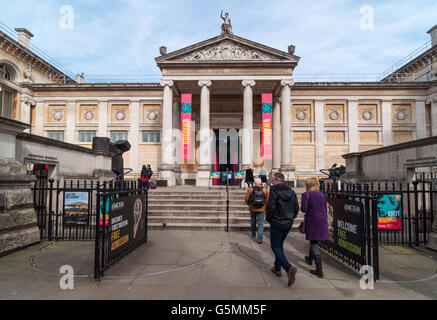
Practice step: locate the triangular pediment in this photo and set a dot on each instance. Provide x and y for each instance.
(227, 48)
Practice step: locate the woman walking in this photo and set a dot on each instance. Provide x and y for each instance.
(313, 204)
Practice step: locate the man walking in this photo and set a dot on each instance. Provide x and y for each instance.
(282, 208)
(257, 198)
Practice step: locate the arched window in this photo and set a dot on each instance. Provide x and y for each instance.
(5, 73)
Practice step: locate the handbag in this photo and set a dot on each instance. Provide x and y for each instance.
(302, 224)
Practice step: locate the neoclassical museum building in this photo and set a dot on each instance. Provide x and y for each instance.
(225, 78)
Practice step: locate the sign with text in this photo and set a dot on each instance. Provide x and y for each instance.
(346, 225)
(76, 208)
(267, 125)
(186, 110)
(389, 210)
(127, 222)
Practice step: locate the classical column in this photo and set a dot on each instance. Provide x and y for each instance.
(71, 122)
(39, 118)
(103, 119)
(134, 135)
(420, 119)
(276, 163)
(167, 151)
(286, 167)
(204, 135)
(319, 135)
(387, 130)
(247, 136)
(353, 125)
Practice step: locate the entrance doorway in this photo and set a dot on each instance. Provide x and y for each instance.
(226, 155)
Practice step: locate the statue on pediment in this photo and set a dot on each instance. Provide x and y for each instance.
(226, 26)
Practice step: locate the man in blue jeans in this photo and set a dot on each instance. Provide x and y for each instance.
(282, 208)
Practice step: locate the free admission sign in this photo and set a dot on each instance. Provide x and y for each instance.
(186, 109)
(267, 119)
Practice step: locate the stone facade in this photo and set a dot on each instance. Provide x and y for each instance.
(314, 124)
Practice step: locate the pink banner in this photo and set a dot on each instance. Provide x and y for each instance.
(186, 103)
(267, 125)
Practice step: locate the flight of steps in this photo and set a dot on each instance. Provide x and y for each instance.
(191, 208)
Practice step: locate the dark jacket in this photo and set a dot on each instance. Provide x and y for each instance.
(249, 175)
(149, 172)
(282, 208)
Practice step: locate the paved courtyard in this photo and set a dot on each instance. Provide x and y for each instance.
(209, 265)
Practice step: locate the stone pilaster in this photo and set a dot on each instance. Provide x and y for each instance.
(71, 122)
(39, 118)
(134, 135)
(387, 130)
(353, 125)
(103, 119)
(319, 135)
(247, 136)
(432, 100)
(420, 119)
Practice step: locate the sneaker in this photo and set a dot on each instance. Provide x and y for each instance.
(259, 241)
(291, 275)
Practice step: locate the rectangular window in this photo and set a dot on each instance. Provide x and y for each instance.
(151, 137)
(86, 137)
(6, 102)
(56, 135)
(116, 136)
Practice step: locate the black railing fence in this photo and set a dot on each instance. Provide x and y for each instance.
(60, 217)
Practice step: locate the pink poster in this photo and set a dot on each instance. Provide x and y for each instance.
(267, 121)
(186, 103)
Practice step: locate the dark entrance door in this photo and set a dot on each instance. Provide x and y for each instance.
(227, 156)
(40, 193)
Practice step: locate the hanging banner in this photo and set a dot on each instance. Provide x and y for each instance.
(389, 209)
(186, 103)
(267, 120)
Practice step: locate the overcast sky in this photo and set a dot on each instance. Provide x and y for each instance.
(122, 37)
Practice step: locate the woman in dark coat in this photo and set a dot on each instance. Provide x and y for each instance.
(249, 177)
(313, 204)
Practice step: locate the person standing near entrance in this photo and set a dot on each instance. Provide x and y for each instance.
(144, 177)
(282, 209)
(249, 177)
(149, 172)
(263, 175)
(313, 204)
(257, 198)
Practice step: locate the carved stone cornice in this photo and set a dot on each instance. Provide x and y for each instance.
(287, 82)
(164, 83)
(246, 83)
(202, 83)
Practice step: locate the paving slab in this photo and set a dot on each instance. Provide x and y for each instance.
(192, 265)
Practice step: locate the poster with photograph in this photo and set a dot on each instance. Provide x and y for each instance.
(389, 210)
(76, 208)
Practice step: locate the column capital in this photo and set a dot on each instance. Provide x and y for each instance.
(164, 83)
(246, 83)
(202, 83)
(287, 82)
(431, 99)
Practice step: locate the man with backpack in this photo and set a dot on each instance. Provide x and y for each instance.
(282, 209)
(257, 198)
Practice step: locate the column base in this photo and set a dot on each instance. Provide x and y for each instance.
(288, 172)
(168, 175)
(202, 178)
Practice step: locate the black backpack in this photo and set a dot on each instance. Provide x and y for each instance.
(258, 197)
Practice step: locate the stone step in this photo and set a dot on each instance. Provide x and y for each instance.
(198, 213)
(214, 219)
(206, 226)
(195, 207)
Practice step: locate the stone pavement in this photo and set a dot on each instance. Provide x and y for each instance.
(191, 265)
